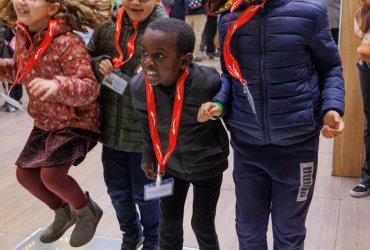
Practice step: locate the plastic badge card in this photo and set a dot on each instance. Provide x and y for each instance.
(158, 189)
(116, 81)
(12, 101)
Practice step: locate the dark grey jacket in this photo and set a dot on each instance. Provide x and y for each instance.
(120, 126)
(202, 148)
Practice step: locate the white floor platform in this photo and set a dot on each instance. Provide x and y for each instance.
(97, 243)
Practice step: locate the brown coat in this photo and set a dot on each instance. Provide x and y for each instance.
(68, 63)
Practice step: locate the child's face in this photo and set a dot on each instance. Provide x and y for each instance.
(160, 59)
(139, 10)
(35, 14)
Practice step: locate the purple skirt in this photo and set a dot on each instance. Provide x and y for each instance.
(52, 148)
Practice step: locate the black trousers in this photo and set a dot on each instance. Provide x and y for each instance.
(206, 194)
(209, 34)
(364, 71)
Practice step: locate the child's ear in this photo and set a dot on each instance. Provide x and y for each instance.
(53, 9)
(186, 60)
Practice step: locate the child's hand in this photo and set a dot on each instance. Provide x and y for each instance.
(105, 67)
(43, 88)
(148, 168)
(207, 111)
(333, 124)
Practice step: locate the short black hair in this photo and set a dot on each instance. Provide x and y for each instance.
(184, 33)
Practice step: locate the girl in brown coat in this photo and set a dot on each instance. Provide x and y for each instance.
(55, 67)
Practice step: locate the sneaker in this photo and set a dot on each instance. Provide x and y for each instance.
(214, 54)
(360, 191)
(127, 243)
(8, 107)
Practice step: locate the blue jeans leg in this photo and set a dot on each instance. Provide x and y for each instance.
(125, 185)
(149, 210)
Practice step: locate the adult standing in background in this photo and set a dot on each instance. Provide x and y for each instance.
(362, 24)
(196, 17)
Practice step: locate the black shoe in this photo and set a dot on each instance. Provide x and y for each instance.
(129, 244)
(360, 191)
(214, 54)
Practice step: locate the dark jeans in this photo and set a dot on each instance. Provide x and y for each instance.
(125, 183)
(206, 194)
(364, 71)
(209, 33)
(276, 180)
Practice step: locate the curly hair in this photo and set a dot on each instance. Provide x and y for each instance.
(79, 14)
(184, 33)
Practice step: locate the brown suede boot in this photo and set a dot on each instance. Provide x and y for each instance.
(64, 219)
(87, 220)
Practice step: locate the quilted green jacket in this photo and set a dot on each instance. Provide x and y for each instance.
(120, 125)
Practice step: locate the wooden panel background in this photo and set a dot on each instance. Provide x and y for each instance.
(348, 148)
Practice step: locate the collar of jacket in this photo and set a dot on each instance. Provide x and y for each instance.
(220, 6)
(62, 28)
(158, 12)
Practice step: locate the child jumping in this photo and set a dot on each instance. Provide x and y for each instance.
(55, 67)
(117, 47)
(285, 51)
(174, 85)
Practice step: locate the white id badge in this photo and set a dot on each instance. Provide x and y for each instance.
(12, 101)
(158, 189)
(116, 81)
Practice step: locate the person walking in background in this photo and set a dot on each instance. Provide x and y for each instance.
(286, 83)
(116, 47)
(55, 67)
(196, 17)
(7, 46)
(196, 152)
(207, 44)
(362, 29)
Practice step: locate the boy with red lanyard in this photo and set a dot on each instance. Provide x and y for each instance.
(55, 67)
(116, 51)
(286, 79)
(196, 153)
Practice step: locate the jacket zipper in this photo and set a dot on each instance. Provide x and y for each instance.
(264, 85)
(120, 97)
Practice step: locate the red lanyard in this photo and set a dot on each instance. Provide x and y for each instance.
(37, 53)
(231, 63)
(175, 122)
(118, 61)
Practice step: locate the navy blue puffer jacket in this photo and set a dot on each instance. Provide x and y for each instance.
(293, 68)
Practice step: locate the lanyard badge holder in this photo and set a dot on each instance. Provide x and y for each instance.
(117, 81)
(160, 188)
(163, 187)
(232, 64)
